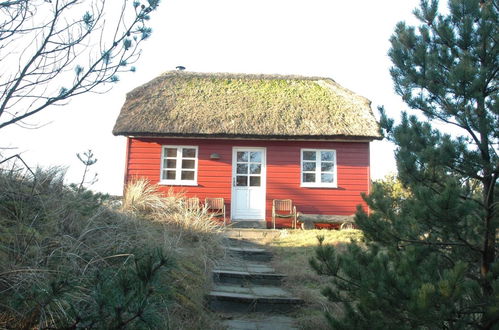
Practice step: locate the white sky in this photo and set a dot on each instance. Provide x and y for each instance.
(344, 40)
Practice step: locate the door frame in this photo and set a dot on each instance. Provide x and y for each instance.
(263, 181)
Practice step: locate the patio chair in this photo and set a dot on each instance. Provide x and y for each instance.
(192, 204)
(215, 206)
(283, 208)
(347, 225)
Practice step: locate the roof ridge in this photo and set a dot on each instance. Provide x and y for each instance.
(243, 75)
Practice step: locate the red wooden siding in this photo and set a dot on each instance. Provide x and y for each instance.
(282, 175)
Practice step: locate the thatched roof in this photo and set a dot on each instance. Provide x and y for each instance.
(180, 103)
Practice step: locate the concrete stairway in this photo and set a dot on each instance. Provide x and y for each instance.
(247, 292)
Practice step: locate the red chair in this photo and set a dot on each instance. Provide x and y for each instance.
(283, 208)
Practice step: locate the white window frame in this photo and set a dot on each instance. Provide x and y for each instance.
(318, 183)
(178, 169)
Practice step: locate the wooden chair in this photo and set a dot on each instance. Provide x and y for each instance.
(283, 208)
(192, 204)
(347, 225)
(215, 206)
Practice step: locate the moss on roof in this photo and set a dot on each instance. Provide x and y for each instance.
(180, 103)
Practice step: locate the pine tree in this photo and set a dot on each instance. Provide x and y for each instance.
(430, 257)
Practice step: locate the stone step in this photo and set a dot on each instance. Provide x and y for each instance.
(257, 321)
(247, 224)
(244, 266)
(248, 253)
(242, 242)
(235, 298)
(242, 277)
(252, 234)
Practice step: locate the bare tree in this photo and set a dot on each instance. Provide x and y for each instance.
(52, 50)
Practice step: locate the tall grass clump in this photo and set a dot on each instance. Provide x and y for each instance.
(69, 261)
(193, 222)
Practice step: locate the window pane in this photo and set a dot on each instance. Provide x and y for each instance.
(308, 177)
(171, 152)
(171, 163)
(309, 155)
(242, 169)
(188, 163)
(255, 168)
(168, 175)
(254, 181)
(327, 155)
(189, 152)
(256, 156)
(241, 181)
(326, 178)
(187, 175)
(309, 166)
(327, 166)
(242, 156)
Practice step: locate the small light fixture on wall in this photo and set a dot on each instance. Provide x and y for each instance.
(214, 156)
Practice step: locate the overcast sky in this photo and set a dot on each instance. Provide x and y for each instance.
(344, 40)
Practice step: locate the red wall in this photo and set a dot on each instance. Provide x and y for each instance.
(283, 171)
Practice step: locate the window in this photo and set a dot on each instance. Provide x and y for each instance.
(179, 165)
(249, 168)
(318, 168)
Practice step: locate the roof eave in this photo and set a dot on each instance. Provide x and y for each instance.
(336, 137)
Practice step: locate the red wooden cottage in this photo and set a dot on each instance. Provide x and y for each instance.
(251, 139)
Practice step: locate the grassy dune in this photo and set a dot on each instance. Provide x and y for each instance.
(72, 258)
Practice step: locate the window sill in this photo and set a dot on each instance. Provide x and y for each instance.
(190, 184)
(317, 186)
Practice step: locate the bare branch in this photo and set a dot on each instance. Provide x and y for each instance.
(48, 71)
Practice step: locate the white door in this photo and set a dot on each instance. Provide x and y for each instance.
(248, 184)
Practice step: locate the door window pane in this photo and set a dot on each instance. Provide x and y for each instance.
(188, 163)
(256, 156)
(242, 156)
(188, 152)
(254, 181)
(187, 175)
(241, 181)
(242, 169)
(255, 168)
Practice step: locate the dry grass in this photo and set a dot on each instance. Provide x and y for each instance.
(144, 198)
(292, 251)
(68, 260)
